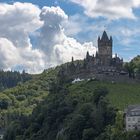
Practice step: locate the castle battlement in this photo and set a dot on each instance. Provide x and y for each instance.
(101, 66)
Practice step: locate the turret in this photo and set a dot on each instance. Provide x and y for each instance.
(111, 41)
(96, 55)
(111, 38)
(104, 36)
(72, 67)
(72, 59)
(105, 49)
(99, 39)
(87, 55)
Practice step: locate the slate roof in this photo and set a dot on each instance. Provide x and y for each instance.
(133, 110)
(104, 36)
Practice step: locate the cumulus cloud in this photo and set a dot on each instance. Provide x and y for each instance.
(112, 9)
(8, 54)
(19, 21)
(58, 47)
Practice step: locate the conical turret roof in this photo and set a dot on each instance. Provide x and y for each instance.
(104, 36)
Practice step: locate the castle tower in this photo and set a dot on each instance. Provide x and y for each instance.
(105, 49)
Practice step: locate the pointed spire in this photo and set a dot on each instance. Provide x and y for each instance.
(87, 54)
(96, 54)
(104, 36)
(72, 59)
(111, 38)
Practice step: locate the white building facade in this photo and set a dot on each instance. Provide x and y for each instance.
(132, 118)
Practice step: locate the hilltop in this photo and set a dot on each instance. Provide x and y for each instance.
(67, 111)
(49, 89)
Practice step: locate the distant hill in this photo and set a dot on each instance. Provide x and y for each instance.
(9, 79)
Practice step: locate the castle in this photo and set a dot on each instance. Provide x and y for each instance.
(103, 58)
(101, 66)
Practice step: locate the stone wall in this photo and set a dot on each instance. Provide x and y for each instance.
(117, 78)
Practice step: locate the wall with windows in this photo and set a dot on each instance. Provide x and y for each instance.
(132, 122)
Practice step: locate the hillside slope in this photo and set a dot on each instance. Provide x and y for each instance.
(17, 103)
(22, 99)
(78, 111)
(120, 94)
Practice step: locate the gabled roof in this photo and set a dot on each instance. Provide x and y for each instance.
(133, 108)
(104, 36)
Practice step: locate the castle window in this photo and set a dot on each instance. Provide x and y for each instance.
(129, 119)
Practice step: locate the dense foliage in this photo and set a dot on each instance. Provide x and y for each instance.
(117, 131)
(21, 100)
(10, 79)
(133, 67)
(66, 115)
(66, 111)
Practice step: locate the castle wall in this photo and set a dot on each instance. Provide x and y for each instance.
(101, 67)
(107, 77)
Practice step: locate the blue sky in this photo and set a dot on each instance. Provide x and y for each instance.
(126, 46)
(75, 22)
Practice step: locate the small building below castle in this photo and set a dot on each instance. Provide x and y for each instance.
(132, 118)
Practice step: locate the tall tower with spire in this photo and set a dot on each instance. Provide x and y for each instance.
(105, 49)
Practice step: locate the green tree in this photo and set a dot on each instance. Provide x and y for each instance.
(88, 134)
(130, 67)
(99, 92)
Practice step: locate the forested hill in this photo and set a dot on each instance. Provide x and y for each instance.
(51, 107)
(10, 79)
(22, 99)
(82, 111)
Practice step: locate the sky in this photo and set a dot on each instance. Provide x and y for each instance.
(38, 34)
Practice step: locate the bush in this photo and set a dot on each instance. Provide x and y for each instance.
(88, 134)
(4, 101)
(21, 97)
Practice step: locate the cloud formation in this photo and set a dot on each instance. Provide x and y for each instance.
(58, 47)
(19, 21)
(8, 54)
(111, 9)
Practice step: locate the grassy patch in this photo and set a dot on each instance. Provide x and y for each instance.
(120, 94)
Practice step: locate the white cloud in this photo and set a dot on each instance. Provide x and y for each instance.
(58, 47)
(53, 47)
(127, 32)
(70, 47)
(12, 57)
(74, 25)
(17, 22)
(112, 9)
(8, 54)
